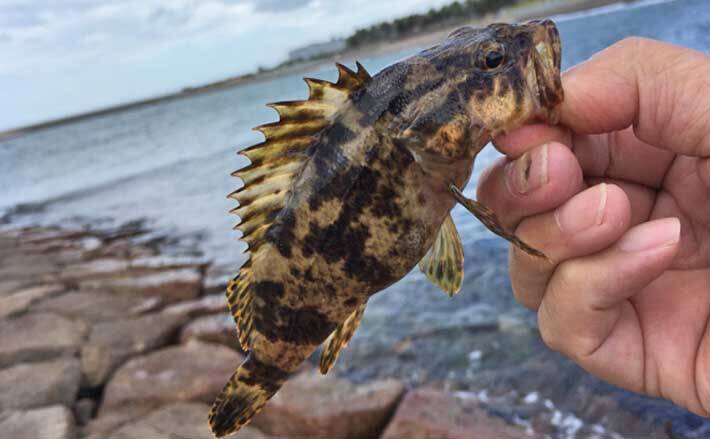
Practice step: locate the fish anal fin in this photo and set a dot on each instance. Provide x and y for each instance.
(443, 263)
(339, 338)
(491, 221)
(244, 395)
(240, 299)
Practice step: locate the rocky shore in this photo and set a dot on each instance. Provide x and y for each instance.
(104, 337)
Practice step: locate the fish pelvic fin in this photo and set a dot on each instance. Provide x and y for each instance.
(339, 338)
(443, 263)
(492, 223)
(244, 395)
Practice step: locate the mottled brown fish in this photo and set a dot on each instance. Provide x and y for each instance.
(353, 187)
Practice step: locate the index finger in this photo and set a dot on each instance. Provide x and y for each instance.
(662, 90)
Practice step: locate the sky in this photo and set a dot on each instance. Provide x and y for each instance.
(62, 57)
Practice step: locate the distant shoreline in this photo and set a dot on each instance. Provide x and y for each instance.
(514, 14)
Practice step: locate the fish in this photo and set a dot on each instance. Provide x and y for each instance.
(353, 187)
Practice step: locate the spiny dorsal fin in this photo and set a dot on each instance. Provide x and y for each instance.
(443, 263)
(274, 164)
(339, 338)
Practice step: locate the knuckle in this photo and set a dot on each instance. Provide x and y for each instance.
(632, 44)
(488, 183)
(549, 335)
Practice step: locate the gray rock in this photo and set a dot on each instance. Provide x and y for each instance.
(311, 405)
(39, 384)
(110, 344)
(95, 269)
(180, 420)
(110, 267)
(170, 285)
(191, 372)
(96, 306)
(160, 262)
(210, 304)
(10, 286)
(54, 422)
(107, 423)
(37, 337)
(216, 278)
(84, 410)
(28, 268)
(218, 328)
(20, 300)
(427, 413)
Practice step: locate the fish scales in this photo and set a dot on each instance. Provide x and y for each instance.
(353, 187)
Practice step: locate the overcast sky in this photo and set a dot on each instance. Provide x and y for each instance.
(60, 57)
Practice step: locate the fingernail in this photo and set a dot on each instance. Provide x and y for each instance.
(651, 235)
(576, 215)
(528, 172)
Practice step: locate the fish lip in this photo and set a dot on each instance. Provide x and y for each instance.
(546, 62)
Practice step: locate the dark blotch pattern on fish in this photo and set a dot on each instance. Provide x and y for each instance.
(306, 325)
(267, 376)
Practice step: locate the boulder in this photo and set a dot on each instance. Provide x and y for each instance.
(180, 420)
(37, 337)
(39, 384)
(218, 328)
(161, 262)
(96, 306)
(210, 304)
(124, 248)
(194, 371)
(107, 423)
(109, 267)
(110, 344)
(95, 269)
(311, 405)
(10, 286)
(216, 278)
(28, 268)
(84, 410)
(54, 422)
(170, 285)
(428, 413)
(20, 300)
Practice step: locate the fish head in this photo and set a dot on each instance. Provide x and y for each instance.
(494, 79)
(513, 74)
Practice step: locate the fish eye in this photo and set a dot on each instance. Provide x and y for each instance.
(494, 59)
(490, 56)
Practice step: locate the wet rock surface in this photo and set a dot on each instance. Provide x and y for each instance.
(109, 331)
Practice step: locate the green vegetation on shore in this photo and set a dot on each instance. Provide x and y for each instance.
(416, 23)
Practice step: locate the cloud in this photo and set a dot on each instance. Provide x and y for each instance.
(73, 55)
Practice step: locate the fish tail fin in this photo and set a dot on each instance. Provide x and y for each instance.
(249, 388)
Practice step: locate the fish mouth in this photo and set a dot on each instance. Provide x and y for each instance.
(547, 59)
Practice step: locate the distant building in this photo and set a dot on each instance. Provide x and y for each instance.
(317, 49)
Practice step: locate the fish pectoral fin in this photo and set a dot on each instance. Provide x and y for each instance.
(443, 263)
(339, 338)
(492, 223)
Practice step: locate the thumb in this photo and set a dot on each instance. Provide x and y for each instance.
(586, 313)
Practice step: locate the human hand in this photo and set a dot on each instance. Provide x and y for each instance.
(618, 198)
